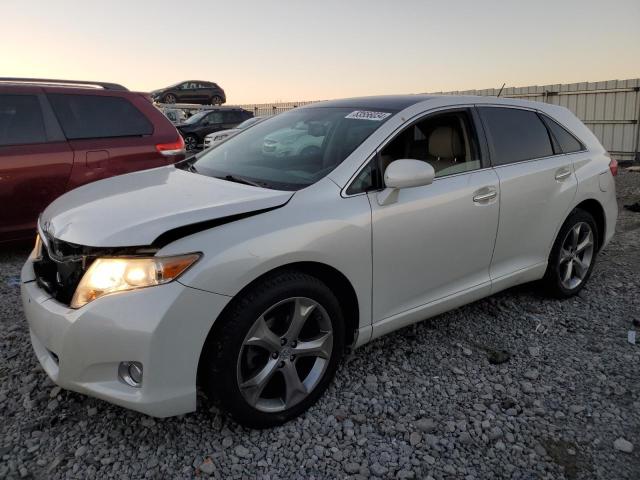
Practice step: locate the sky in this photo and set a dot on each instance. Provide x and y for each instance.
(293, 50)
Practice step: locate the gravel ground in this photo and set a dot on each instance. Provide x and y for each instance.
(423, 402)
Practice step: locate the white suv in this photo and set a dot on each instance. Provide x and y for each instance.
(250, 274)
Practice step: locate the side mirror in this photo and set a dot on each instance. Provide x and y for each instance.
(405, 173)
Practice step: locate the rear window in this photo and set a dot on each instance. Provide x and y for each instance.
(21, 120)
(516, 135)
(568, 143)
(94, 116)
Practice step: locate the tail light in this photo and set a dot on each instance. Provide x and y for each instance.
(613, 166)
(173, 148)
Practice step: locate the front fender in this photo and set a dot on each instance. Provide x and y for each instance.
(313, 227)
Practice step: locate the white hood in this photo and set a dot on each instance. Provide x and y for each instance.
(135, 209)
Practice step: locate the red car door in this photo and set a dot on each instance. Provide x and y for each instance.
(35, 161)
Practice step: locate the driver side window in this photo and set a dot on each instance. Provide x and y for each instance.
(446, 141)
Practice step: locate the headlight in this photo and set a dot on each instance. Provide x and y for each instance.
(109, 275)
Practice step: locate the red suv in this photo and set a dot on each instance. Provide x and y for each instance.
(56, 135)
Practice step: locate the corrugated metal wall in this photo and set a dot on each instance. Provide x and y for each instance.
(611, 109)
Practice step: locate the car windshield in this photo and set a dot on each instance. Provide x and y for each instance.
(292, 150)
(195, 118)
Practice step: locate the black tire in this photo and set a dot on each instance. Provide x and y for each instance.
(552, 281)
(220, 359)
(169, 98)
(191, 142)
(216, 100)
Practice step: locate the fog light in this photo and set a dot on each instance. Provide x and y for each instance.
(131, 373)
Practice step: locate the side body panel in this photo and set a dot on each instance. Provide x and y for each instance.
(533, 206)
(435, 241)
(31, 175)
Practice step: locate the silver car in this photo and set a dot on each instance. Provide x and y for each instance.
(251, 274)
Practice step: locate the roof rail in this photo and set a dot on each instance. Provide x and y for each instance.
(49, 81)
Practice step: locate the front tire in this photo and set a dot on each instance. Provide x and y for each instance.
(573, 255)
(275, 350)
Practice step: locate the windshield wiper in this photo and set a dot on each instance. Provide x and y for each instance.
(238, 179)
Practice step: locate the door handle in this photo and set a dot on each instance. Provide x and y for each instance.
(485, 194)
(562, 173)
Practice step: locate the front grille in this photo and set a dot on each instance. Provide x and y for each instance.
(60, 269)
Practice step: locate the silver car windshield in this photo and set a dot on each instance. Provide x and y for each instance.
(292, 150)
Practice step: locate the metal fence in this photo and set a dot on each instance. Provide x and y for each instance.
(265, 109)
(611, 109)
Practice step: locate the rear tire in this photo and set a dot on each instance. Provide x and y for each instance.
(169, 98)
(573, 255)
(216, 100)
(274, 351)
(191, 142)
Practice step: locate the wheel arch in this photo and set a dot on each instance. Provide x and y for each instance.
(335, 280)
(596, 210)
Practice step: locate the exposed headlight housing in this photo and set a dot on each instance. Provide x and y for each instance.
(117, 274)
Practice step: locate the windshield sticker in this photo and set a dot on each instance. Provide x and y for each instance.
(366, 115)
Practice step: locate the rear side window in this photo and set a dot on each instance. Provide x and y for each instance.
(93, 116)
(515, 135)
(21, 120)
(568, 143)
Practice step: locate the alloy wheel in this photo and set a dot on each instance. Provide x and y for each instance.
(190, 142)
(576, 255)
(285, 354)
(170, 98)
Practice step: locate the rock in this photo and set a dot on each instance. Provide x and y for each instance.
(80, 451)
(352, 467)
(405, 475)
(91, 411)
(425, 425)
(227, 442)
(207, 467)
(378, 470)
(465, 438)
(148, 422)
(242, 451)
(527, 387)
(467, 352)
(55, 391)
(531, 374)
(415, 438)
(575, 409)
(534, 351)
(623, 445)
